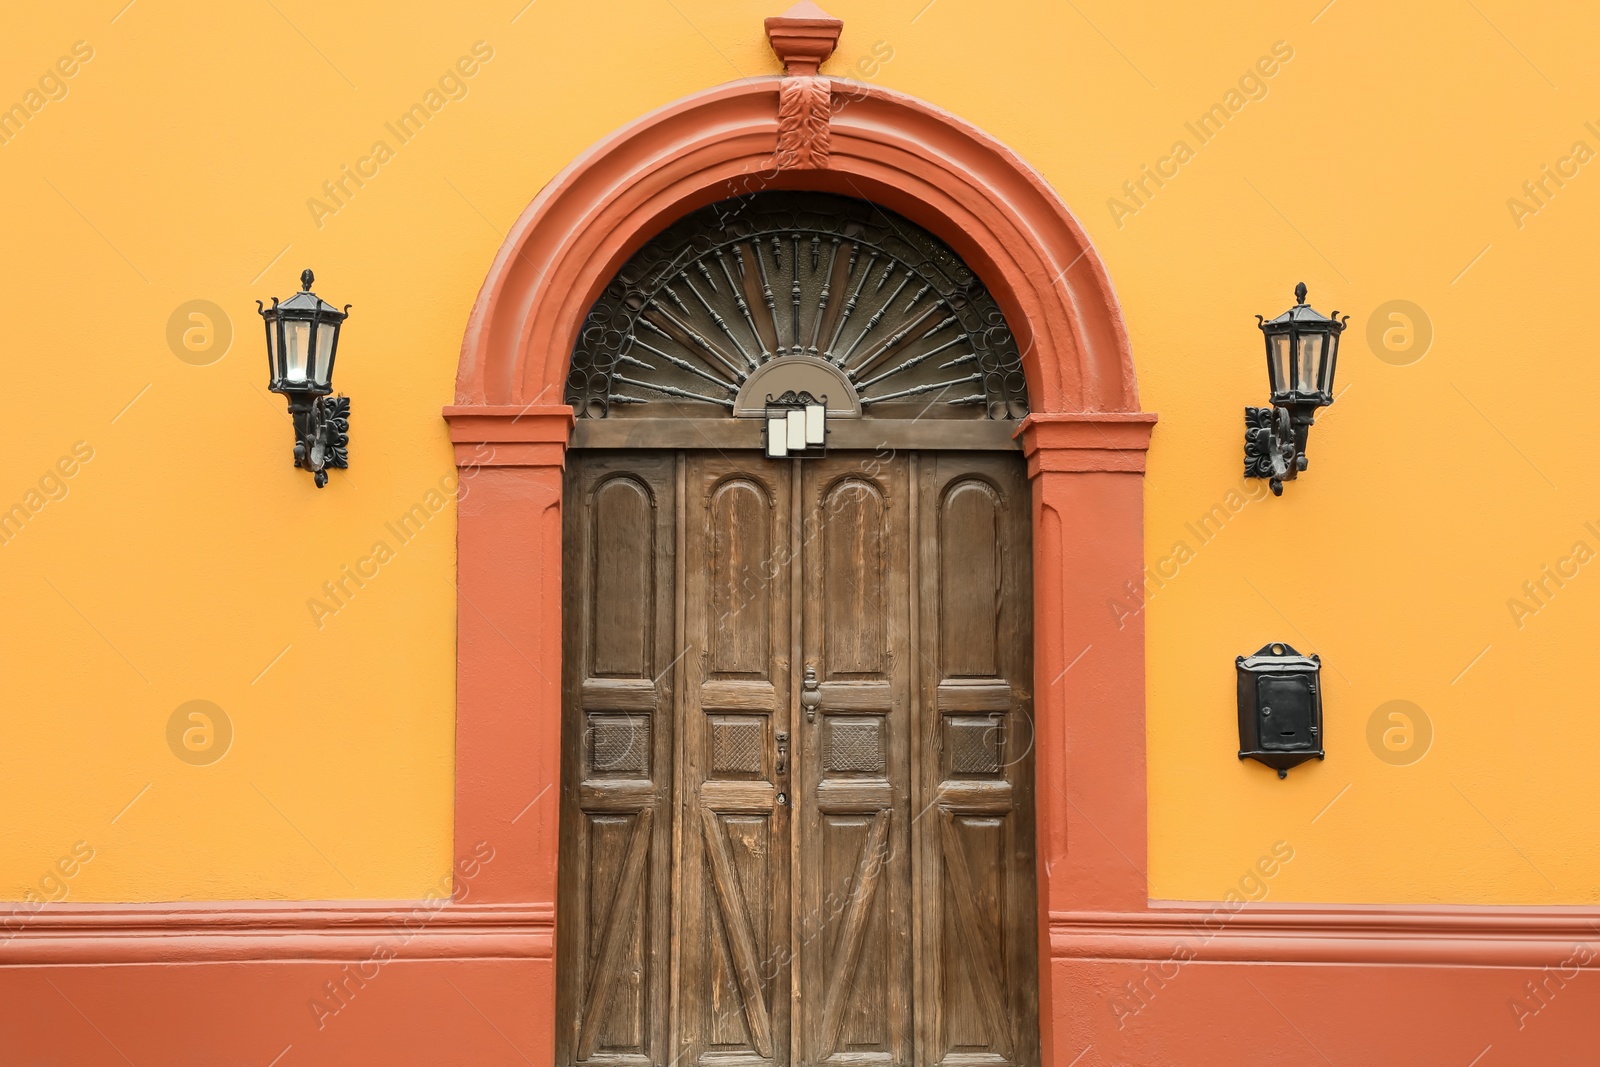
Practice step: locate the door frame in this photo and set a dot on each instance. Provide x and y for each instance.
(1085, 445)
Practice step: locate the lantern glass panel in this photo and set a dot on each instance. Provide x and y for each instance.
(1278, 362)
(272, 351)
(322, 369)
(1306, 366)
(777, 436)
(1326, 382)
(296, 349)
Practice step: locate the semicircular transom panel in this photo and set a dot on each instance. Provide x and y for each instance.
(777, 276)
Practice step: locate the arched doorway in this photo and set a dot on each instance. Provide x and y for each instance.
(797, 801)
(1084, 440)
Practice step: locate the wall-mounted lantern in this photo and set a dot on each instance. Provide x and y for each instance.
(797, 426)
(1280, 707)
(302, 341)
(1302, 353)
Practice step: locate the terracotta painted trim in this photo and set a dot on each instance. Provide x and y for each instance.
(995, 211)
(803, 37)
(243, 932)
(526, 435)
(1086, 441)
(1331, 934)
(246, 932)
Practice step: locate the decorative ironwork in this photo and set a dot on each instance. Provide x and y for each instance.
(881, 304)
(1269, 450)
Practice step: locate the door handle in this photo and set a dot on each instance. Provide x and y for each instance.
(810, 694)
(783, 752)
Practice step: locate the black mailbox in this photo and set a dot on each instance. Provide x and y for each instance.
(1280, 707)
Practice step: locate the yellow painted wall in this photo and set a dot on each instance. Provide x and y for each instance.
(176, 562)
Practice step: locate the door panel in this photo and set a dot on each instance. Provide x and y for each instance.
(854, 807)
(733, 1000)
(616, 841)
(797, 821)
(979, 994)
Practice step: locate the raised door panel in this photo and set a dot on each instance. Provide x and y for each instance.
(975, 843)
(853, 886)
(733, 992)
(617, 731)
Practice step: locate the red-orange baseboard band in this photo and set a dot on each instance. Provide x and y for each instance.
(110, 934)
(1194, 985)
(1348, 934)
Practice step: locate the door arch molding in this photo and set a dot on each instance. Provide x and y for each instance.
(1085, 441)
(945, 175)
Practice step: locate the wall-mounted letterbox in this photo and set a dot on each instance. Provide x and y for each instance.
(1280, 707)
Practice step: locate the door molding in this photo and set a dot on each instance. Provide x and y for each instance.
(1085, 442)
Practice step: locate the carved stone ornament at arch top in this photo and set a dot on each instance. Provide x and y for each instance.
(803, 37)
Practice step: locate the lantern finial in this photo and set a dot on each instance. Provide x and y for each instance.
(306, 278)
(1299, 291)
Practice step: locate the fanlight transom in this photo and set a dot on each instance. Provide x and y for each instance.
(835, 289)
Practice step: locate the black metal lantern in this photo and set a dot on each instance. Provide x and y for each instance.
(1302, 355)
(302, 342)
(1280, 707)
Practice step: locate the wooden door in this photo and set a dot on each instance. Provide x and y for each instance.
(812, 843)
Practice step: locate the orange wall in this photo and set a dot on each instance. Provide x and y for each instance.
(180, 559)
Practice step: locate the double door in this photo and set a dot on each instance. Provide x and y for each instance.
(797, 791)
